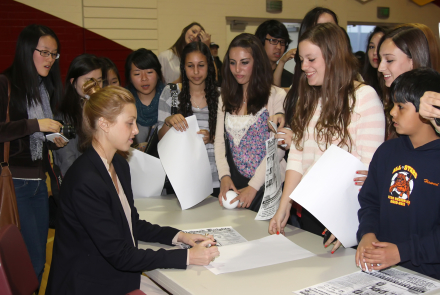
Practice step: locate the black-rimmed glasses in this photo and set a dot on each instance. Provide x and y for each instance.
(46, 53)
(276, 41)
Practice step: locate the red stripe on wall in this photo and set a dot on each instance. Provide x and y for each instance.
(74, 40)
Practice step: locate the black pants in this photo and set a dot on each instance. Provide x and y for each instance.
(310, 223)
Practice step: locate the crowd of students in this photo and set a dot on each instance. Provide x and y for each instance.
(384, 115)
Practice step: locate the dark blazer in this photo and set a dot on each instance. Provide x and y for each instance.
(93, 249)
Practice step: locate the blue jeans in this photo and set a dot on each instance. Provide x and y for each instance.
(33, 208)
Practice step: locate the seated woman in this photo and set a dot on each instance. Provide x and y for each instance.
(143, 78)
(332, 108)
(95, 249)
(83, 68)
(198, 95)
(248, 99)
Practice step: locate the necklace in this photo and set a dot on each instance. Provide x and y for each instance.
(197, 106)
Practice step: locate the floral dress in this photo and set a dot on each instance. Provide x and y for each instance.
(247, 137)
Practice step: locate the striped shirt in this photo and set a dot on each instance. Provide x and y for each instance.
(202, 116)
(367, 131)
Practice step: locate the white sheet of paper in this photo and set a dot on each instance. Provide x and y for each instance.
(328, 192)
(270, 250)
(147, 174)
(185, 160)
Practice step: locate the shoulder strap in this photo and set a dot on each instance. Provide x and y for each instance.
(6, 145)
(174, 97)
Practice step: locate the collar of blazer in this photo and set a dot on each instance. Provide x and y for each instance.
(123, 172)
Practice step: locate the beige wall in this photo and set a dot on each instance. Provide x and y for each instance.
(156, 24)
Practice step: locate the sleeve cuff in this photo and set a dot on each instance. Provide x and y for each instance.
(176, 243)
(33, 126)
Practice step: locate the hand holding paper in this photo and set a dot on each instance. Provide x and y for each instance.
(185, 160)
(335, 195)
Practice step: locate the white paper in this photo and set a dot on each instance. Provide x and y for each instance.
(272, 183)
(328, 192)
(223, 235)
(147, 174)
(390, 281)
(270, 250)
(185, 160)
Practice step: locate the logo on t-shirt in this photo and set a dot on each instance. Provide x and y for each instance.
(402, 184)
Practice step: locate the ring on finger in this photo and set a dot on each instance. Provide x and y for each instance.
(213, 259)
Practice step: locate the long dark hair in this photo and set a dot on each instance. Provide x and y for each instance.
(211, 91)
(181, 42)
(71, 107)
(143, 59)
(260, 83)
(310, 20)
(369, 73)
(107, 65)
(23, 75)
(411, 41)
(434, 46)
(337, 92)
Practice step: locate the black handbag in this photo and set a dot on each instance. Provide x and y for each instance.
(151, 148)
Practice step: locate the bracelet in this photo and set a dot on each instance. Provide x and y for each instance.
(279, 113)
(169, 126)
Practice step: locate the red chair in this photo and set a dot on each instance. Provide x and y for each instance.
(17, 276)
(136, 292)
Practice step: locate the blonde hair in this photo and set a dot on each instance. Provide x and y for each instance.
(104, 103)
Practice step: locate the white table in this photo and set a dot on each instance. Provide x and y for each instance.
(276, 279)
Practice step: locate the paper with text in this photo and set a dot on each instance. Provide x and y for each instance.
(389, 281)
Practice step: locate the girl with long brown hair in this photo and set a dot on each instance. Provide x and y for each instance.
(248, 98)
(332, 108)
(401, 50)
(170, 59)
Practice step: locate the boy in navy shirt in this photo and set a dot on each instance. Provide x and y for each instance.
(399, 219)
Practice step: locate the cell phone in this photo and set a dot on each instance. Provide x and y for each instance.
(53, 135)
(274, 126)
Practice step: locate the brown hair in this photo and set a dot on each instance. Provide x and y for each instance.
(434, 48)
(177, 47)
(260, 82)
(104, 103)
(337, 92)
(411, 41)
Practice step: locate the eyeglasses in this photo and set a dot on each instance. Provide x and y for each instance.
(46, 53)
(276, 41)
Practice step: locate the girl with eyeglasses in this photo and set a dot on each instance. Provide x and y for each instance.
(34, 83)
